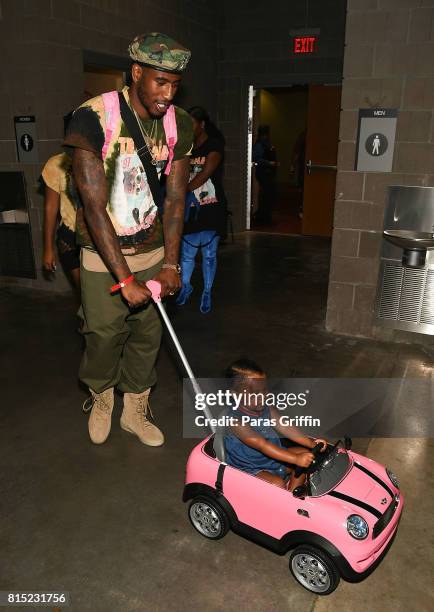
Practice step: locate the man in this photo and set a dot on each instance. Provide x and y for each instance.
(124, 241)
(264, 156)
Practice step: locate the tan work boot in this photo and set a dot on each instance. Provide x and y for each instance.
(135, 419)
(101, 416)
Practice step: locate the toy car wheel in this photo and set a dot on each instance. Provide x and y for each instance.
(314, 570)
(208, 518)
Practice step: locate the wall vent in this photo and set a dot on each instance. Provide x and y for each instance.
(406, 296)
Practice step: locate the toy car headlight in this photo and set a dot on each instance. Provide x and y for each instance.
(393, 479)
(357, 527)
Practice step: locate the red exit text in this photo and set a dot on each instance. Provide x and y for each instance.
(305, 44)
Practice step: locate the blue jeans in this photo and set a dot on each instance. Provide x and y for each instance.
(208, 242)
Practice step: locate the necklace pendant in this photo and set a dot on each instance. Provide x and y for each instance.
(149, 139)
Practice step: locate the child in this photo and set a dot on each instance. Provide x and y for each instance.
(255, 447)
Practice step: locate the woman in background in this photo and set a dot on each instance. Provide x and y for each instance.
(57, 178)
(205, 211)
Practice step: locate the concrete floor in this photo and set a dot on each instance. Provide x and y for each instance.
(107, 523)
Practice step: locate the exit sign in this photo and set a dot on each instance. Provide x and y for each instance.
(304, 41)
(305, 45)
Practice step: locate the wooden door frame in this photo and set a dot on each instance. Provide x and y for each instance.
(292, 81)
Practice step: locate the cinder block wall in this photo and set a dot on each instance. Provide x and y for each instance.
(389, 62)
(41, 66)
(256, 50)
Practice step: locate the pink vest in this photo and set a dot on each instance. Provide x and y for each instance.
(112, 115)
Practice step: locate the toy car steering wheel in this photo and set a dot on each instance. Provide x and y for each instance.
(316, 451)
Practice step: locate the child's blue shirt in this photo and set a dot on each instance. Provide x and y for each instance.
(245, 457)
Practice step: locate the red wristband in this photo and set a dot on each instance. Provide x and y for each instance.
(122, 283)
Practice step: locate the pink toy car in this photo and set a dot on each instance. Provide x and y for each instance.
(340, 524)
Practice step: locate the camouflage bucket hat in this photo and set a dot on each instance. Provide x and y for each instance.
(160, 52)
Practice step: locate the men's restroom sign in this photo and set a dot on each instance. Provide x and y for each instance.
(376, 139)
(376, 144)
(25, 134)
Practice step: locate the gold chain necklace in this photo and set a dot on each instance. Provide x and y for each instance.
(148, 138)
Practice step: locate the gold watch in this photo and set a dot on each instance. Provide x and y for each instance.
(175, 267)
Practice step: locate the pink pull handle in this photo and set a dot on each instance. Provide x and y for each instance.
(155, 289)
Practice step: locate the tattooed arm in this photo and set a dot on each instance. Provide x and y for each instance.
(173, 222)
(91, 182)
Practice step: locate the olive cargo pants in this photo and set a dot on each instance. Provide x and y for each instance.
(121, 344)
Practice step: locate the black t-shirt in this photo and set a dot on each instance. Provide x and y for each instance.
(211, 197)
(130, 207)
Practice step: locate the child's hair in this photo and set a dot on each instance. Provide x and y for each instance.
(241, 368)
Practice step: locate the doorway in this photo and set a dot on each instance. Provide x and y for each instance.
(98, 80)
(292, 159)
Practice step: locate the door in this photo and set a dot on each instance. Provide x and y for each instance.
(249, 206)
(253, 119)
(321, 158)
(97, 80)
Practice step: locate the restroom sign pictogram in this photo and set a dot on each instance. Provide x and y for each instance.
(26, 139)
(376, 144)
(376, 139)
(26, 142)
